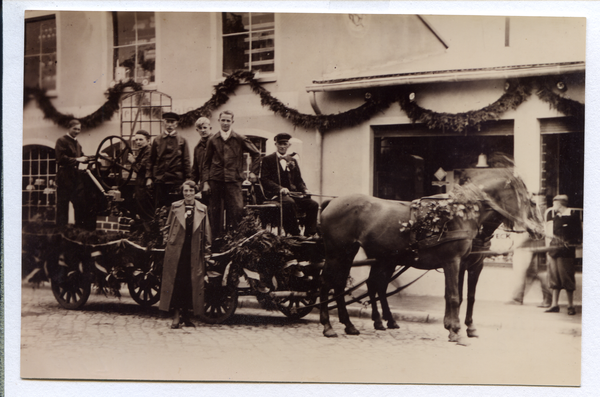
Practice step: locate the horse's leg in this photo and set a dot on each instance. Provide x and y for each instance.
(335, 275)
(375, 274)
(452, 296)
(474, 270)
(388, 268)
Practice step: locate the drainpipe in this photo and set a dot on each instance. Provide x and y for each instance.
(319, 140)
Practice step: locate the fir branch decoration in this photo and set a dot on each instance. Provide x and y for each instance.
(566, 106)
(518, 93)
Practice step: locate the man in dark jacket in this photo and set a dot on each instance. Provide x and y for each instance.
(141, 165)
(203, 128)
(281, 178)
(170, 161)
(70, 187)
(222, 174)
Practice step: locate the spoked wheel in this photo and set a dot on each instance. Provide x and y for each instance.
(144, 288)
(295, 307)
(73, 291)
(113, 167)
(220, 302)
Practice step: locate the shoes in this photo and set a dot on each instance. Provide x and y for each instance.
(544, 305)
(188, 323)
(513, 302)
(571, 311)
(553, 309)
(175, 326)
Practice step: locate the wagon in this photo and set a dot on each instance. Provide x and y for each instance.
(283, 274)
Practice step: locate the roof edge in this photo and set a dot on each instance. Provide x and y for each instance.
(457, 75)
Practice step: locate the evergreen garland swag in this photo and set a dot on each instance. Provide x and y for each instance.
(518, 92)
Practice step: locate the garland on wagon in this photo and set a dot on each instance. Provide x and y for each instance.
(518, 92)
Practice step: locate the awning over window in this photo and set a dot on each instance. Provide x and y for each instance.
(488, 73)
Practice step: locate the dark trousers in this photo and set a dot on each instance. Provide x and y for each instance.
(72, 194)
(166, 193)
(291, 205)
(225, 196)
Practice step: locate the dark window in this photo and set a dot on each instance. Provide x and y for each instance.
(39, 184)
(248, 42)
(134, 47)
(40, 53)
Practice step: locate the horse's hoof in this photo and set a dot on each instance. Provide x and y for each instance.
(351, 330)
(330, 333)
(453, 337)
(379, 326)
(392, 324)
(472, 333)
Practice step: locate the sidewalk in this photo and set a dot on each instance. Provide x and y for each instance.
(492, 314)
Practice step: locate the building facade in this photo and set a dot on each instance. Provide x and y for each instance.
(462, 87)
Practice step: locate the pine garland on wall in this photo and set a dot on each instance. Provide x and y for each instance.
(517, 92)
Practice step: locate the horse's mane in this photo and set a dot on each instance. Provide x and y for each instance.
(505, 168)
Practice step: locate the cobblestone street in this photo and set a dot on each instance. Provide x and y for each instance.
(118, 339)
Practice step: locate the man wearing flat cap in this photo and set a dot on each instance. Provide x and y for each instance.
(280, 177)
(566, 235)
(170, 162)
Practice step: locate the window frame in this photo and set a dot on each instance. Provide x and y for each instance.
(218, 53)
(111, 48)
(33, 16)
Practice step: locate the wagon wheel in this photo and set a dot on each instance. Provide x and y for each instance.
(72, 291)
(295, 307)
(113, 167)
(144, 282)
(144, 288)
(220, 302)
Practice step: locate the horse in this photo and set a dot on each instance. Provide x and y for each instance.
(436, 232)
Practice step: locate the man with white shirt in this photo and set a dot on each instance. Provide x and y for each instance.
(170, 162)
(281, 178)
(69, 183)
(222, 174)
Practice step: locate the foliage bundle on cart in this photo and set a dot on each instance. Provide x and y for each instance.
(105, 259)
(269, 262)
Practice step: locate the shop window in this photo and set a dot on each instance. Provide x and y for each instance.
(40, 53)
(39, 184)
(134, 47)
(248, 42)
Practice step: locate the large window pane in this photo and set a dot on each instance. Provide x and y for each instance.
(235, 22)
(134, 46)
(40, 53)
(234, 57)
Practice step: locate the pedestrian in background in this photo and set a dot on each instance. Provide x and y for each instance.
(566, 234)
(69, 180)
(526, 269)
(222, 174)
(170, 161)
(183, 267)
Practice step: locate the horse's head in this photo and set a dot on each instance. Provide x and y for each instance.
(505, 192)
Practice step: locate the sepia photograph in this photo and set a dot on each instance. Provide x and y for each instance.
(323, 198)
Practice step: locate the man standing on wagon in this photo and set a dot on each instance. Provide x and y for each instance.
(280, 176)
(170, 162)
(222, 174)
(69, 179)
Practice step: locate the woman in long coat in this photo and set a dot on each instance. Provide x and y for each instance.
(189, 234)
